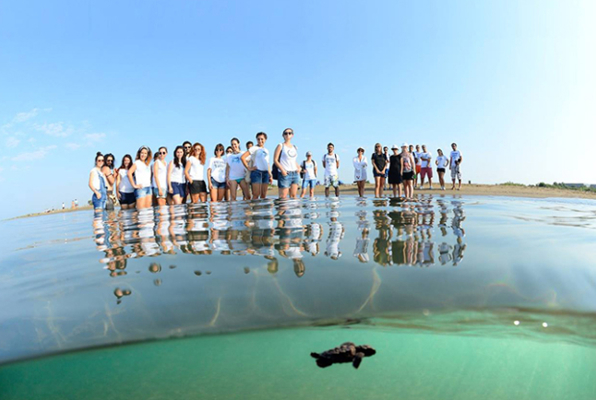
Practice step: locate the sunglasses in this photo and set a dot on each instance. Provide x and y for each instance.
(187, 147)
(288, 133)
(162, 152)
(102, 160)
(219, 150)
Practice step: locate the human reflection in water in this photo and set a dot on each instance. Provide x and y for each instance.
(381, 252)
(313, 232)
(336, 234)
(458, 230)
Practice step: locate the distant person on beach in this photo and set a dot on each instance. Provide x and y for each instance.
(426, 169)
(98, 183)
(395, 178)
(260, 175)
(455, 159)
(176, 179)
(331, 165)
(194, 172)
(76, 203)
(286, 160)
(442, 163)
(309, 175)
(360, 176)
(126, 191)
(379, 163)
(140, 177)
(235, 172)
(407, 171)
(108, 171)
(63, 206)
(216, 174)
(160, 177)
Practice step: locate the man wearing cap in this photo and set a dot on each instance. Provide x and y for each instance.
(308, 170)
(455, 159)
(331, 164)
(425, 167)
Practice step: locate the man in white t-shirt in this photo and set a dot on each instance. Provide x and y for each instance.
(331, 164)
(455, 159)
(425, 167)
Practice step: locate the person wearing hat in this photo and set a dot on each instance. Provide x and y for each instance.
(395, 178)
(360, 165)
(308, 171)
(407, 171)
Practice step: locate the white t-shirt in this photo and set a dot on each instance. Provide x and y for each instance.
(260, 157)
(142, 174)
(309, 168)
(330, 162)
(287, 158)
(196, 168)
(125, 185)
(95, 174)
(161, 174)
(237, 170)
(218, 169)
(177, 174)
(425, 164)
(442, 162)
(417, 157)
(455, 155)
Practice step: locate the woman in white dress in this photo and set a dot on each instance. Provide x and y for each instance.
(360, 165)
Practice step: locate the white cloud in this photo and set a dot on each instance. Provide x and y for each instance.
(12, 142)
(94, 137)
(56, 129)
(34, 155)
(24, 116)
(72, 146)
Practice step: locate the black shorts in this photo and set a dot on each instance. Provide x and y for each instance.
(441, 170)
(127, 198)
(197, 187)
(408, 176)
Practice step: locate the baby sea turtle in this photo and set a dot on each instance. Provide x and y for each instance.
(347, 352)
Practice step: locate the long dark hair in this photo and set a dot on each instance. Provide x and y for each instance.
(99, 155)
(122, 163)
(149, 154)
(176, 161)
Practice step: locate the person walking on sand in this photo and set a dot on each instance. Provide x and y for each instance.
(360, 165)
(309, 175)
(455, 160)
(260, 175)
(395, 178)
(379, 163)
(442, 163)
(407, 171)
(331, 165)
(426, 168)
(286, 160)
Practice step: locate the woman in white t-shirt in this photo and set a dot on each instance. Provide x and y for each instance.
(236, 172)
(216, 174)
(260, 175)
(140, 177)
(360, 176)
(442, 162)
(125, 190)
(193, 171)
(286, 160)
(176, 178)
(160, 177)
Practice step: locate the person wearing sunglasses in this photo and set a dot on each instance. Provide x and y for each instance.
(187, 150)
(286, 160)
(160, 173)
(360, 165)
(140, 177)
(235, 172)
(98, 183)
(216, 174)
(176, 178)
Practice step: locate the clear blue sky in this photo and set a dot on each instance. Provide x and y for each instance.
(512, 82)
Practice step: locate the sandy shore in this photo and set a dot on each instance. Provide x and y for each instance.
(471, 190)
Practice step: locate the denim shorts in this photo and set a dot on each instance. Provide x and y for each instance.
(309, 182)
(99, 203)
(143, 192)
(127, 198)
(178, 189)
(259, 177)
(217, 185)
(164, 193)
(292, 178)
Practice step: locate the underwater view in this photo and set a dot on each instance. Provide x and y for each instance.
(461, 297)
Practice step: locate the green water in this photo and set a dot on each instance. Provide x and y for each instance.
(462, 297)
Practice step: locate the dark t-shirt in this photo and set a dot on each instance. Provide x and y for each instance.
(395, 164)
(379, 160)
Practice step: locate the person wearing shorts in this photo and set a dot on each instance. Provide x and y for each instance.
(407, 171)
(140, 177)
(426, 169)
(418, 165)
(97, 184)
(193, 172)
(379, 164)
(331, 165)
(160, 174)
(260, 175)
(216, 174)
(286, 160)
(175, 176)
(455, 160)
(235, 172)
(442, 163)
(126, 192)
(309, 173)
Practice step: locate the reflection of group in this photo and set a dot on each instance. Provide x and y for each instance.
(289, 229)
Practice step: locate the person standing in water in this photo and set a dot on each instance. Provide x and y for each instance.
(249, 144)
(331, 165)
(286, 160)
(455, 160)
(194, 172)
(387, 157)
(176, 178)
(260, 175)
(379, 163)
(126, 191)
(395, 178)
(98, 183)
(216, 174)
(425, 168)
(160, 175)
(235, 172)
(140, 177)
(360, 175)
(309, 175)
(407, 171)
(442, 163)
(108, 171)
(188, 150)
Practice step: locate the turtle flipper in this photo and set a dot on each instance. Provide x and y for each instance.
(357, 360)
(315, 355)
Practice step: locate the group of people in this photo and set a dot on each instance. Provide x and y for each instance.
(142, 184)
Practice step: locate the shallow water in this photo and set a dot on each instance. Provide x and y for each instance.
(461, 296)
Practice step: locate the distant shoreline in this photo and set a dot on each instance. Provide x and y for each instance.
(507, 190)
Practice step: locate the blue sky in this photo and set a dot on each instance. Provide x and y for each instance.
(512, 82)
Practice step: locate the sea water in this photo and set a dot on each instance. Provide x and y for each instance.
(462, 297)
